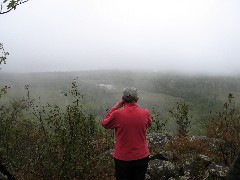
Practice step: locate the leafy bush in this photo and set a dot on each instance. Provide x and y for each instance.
(49, 142)
(182, 118)
(224, 127)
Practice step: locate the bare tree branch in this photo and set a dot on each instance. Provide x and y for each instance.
(3, 54)
(13, 6)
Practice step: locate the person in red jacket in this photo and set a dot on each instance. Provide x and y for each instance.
(131, 153)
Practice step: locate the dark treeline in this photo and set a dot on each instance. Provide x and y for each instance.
(203, 93)
(184, 86)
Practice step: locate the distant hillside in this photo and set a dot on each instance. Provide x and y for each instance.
(102, 89)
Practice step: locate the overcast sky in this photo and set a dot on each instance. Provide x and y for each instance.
(201, 36)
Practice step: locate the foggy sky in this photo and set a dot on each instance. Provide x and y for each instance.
(194, 36)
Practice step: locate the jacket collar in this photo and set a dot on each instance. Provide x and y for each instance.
(131, 105)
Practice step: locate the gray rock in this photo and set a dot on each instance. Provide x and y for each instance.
(2, 177)
(199, 138)
(158, 139)
(147, 177)
(217, 171)
(163, 155)
(161, 170)
(161, 165)
(108, 153)
(195, 167)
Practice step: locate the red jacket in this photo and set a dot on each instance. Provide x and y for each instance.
(130, 124)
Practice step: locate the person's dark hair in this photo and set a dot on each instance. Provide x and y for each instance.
(130, 95)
